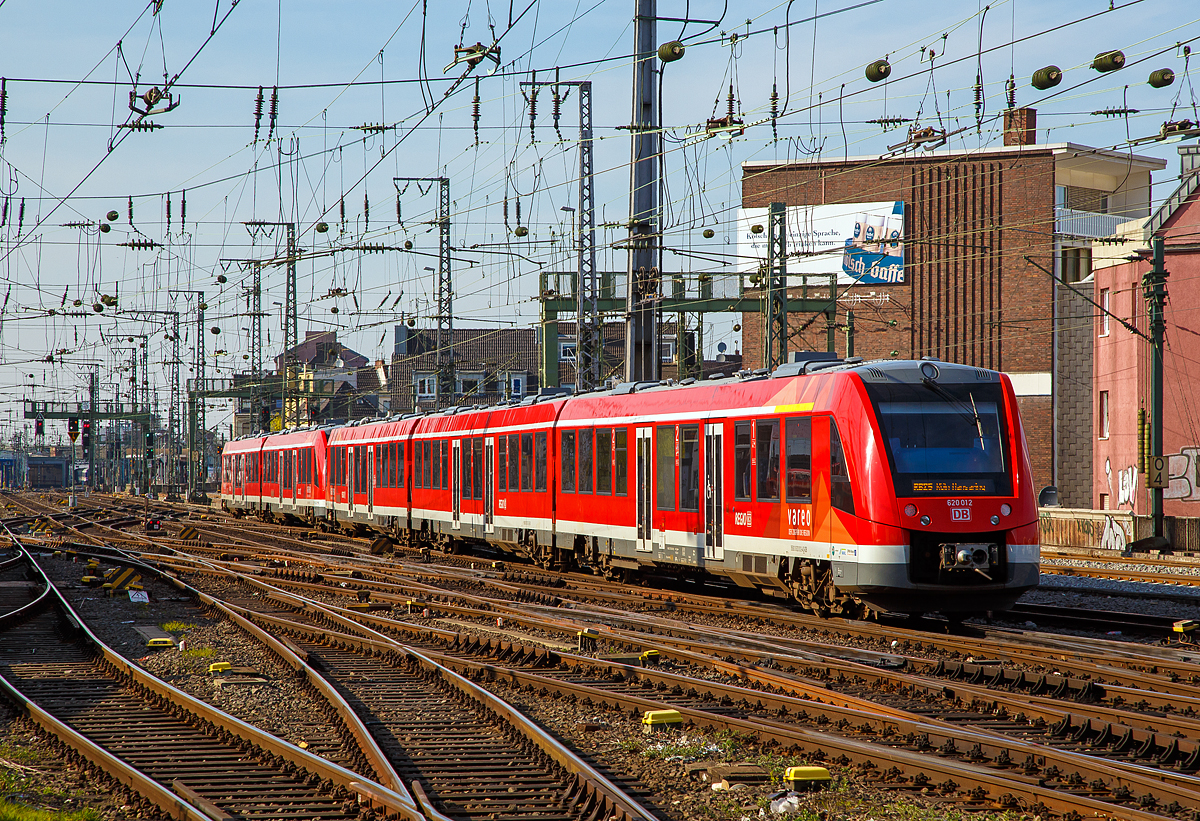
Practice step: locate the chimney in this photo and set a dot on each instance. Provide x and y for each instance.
(1020, 126)
(1189, 160)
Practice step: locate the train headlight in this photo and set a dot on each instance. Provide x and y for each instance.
(929, 370)
(910, 510)
(995, 519)
(1005, 509)
(925, 520)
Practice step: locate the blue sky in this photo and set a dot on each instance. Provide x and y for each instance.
(57, 139)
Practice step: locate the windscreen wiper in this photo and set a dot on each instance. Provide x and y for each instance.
(968, 412)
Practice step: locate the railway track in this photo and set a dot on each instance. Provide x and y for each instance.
(431, 724)
(996, 690)
(167, 749)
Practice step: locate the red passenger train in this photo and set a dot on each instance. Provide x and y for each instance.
(892, 485)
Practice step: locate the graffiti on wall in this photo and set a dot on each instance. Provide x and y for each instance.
(1183, 470)
(1126, 484)
(1113, 537)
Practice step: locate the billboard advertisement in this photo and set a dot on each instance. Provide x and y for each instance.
(863, 243)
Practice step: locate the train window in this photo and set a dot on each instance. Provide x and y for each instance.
(542, 441)
(621, 461)
(585, 460)
(840, 494)
(604, 460)
(433, 466)
(767, 445)
(445, 446)
(742, 460)
(798, 441)
(477, 466)
(568, 461)
(689, 467)
(526, 461)
(664, 467)
(515, 462)
(418, 464)
(465, 469)
(400, 465)
(502, 462)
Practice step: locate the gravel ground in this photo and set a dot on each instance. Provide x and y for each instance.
(283, 705)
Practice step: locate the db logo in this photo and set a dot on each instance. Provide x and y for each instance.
(960, 514)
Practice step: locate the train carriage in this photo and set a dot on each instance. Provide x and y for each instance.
(241, 489)
(888, 485)
(292, 467)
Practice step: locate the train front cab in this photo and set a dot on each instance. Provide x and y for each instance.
(943, 474)
(241, 463)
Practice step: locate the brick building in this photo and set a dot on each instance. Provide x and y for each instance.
(1123, 359)
(490, 364)
(984, 234)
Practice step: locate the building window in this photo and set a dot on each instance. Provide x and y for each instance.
(516, 386)
(1076, 264)
(1106, 307)
(666, 350)
(1102, 418)
(1104, 501)
(426, 385)
(469, 384)
(566, 351)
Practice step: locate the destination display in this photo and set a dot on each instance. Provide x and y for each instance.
(951, 487)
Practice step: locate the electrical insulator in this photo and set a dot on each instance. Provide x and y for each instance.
(474, 122)
(3, 106)
(1010, 88)
(183, 210)
(342, 210)
(533, 92)
(879, 70)
(506, 212)
(556, 112)
(670, 52)
(729, 103)
(1161, 78)
(1108, 61)
(131, 212)
(398, 220)
(366, 213)
(258, 109)
(274, 111)
(518, 211)
(1047, 78)
(21, 216)
(774, 110)
(168, 212)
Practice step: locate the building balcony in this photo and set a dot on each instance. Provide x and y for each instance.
(1075, 223)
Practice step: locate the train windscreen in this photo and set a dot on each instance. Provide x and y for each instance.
(944, 439)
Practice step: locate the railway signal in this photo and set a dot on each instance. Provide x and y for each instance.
(87, 438)
(73, 428)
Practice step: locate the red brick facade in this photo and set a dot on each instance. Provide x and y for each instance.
(971, 296)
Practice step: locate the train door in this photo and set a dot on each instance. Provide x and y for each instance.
(643, 490)
(285, 484)
(456, 483)
(372, 466)
(489, 525)
(714, 498)
(351, 478)
(240, 473)
(294, 473)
